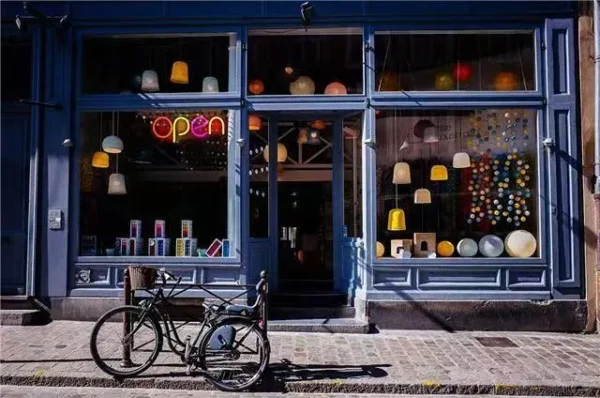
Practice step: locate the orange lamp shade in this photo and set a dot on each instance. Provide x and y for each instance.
(256, 87)
(387, 81)
(445, 248)
(380, 249)
(100, 160)
(401, 173)
(396, 220)
(439, 173)
(254, 123)
(336, 88)
(179, 73)
(318, 124)
(505, 81)
(302, 136)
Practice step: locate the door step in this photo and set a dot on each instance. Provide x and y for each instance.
(323, 299)
(21, 310)
(284, 313)
(343, 325)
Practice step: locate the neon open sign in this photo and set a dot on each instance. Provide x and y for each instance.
(200, 127)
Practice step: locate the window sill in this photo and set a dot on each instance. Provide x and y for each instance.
(146, 260)
(458, 262)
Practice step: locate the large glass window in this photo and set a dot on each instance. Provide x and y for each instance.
(457, 183)
(155, 184)
(305, 62)
(446, 61)
(150, 64)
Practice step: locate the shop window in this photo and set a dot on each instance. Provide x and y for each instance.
(151, 64)
(305, 62)
(165, 194)
(447, 61)
(457, 183)
(353, 176)
(16, 68)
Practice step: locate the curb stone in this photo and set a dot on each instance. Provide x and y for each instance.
(310, 386)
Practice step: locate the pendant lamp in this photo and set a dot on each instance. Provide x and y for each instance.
(422, 196)
(430, 135)
(461, 160)
(112, 143)
(439, 172)
(314, 137)
(116, 184)
(304, 85)
(254, 123)
(281, 153)
(396, 220)
(150, 81)
(100, 159)
(336, 88)
(401, 173)
(302, 136)
(210, 84)
(179, 73)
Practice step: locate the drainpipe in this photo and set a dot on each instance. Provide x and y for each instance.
(597, 94)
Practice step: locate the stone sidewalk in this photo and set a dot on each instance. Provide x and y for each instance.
(411, 362)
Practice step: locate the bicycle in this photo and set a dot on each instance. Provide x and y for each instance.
(229, 334)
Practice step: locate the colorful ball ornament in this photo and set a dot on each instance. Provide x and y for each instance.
(505, 81)
(336, 88)
(380, 249)
(256, 87)
(304, 85)
(445, 248)
(491, 246)
(463, 72)
(520, 243)
(444, 82)
(467, 247)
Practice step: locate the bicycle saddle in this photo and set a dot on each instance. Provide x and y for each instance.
(242, 310)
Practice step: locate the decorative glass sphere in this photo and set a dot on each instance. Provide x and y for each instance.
(303, 85)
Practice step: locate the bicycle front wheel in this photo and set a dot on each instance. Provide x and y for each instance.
(234, 354)
(121, 351)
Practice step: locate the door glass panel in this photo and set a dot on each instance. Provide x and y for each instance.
(259, 176)
(353, 176)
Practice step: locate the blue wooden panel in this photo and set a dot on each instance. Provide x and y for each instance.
(94, 277)
(260, 258)
(458, 278)
(528, 278)
(219, 275)
(564, 159)
(400, 277)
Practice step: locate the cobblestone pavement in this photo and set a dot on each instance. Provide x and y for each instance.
(80, 392)
(341, 362)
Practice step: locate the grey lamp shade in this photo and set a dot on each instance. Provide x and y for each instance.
(150, 81)
(116, 184)
(112, 144)
(461, 160)
(210, 85)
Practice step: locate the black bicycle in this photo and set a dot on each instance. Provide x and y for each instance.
(231, 349)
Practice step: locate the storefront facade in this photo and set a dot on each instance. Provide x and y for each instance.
(416, 158)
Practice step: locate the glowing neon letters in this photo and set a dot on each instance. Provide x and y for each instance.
(200, 127)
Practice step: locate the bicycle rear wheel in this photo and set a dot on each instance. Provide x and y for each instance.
(234, 354)
(108, 340)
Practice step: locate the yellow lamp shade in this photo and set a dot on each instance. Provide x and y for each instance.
(520, 243)
(461, 160)
(396, 220)
(336, 88)
(254, 123)
(505, 81)
(304, 85)
(444, 82)
(445, 248)
(100, 160)
(401, 173)
(439, 173)
(380, 249)
(256, 87)
(422, 196)
(179, 73)
(302, 136)
(281, 153)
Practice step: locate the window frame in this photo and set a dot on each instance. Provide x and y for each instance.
(228, 101)
(454, 100)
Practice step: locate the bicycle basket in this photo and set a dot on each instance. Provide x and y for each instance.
(142, 277)
(222, 338)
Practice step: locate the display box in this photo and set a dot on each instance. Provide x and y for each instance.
(186, 228)
(186, 247)
(225, 248)
(214, 250)
(159, 247)
(129, 247)
(159, 228)
(135, 229)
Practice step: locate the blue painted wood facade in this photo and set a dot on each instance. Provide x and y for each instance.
(57, 59)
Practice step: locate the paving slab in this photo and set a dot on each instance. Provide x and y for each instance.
(409, 362)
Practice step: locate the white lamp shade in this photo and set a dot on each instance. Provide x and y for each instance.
(520, 243)
(461, 160)
(150, 81)
(491, 246)
(467, 247)
(314, 137)
(303, 85)
(422, 196)
(210, 84)
(112, 144)
(281, 153)
(430, 135)
(401, 173)
(116, 184)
